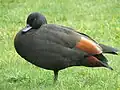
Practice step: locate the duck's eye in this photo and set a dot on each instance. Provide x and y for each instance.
(32, 19)
(35, 19)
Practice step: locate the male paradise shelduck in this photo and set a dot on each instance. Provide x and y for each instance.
(56, 47)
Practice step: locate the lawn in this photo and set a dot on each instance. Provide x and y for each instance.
(100, 19)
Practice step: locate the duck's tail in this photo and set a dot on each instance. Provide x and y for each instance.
(108, 49)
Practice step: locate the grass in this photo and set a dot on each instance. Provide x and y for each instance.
(100, 19)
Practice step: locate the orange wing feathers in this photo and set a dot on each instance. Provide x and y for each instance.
(89, 46)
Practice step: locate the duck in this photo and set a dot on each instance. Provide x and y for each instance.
(56, 47)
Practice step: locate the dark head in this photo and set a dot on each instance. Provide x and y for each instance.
(34, 21)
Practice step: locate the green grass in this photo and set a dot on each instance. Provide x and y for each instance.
(100, 19)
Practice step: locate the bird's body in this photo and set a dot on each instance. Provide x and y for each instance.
(49, 47)
(56, 47)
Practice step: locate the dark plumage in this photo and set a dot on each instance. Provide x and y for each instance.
(56, 47)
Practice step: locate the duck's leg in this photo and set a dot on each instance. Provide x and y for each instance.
(55, 75)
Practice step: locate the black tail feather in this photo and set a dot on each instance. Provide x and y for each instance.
(103, 60)
(106, 65)
(101, 57)
(108, 49)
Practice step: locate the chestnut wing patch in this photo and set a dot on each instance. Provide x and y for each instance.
(88, 46)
